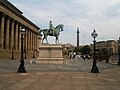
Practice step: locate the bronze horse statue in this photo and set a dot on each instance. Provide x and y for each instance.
(47, 32)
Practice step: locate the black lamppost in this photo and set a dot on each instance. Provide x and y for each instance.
(119, 51)
(21, 68)
(94, 67)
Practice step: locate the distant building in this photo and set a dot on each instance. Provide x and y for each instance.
(67, 48)
(110, 45)
(11, 22)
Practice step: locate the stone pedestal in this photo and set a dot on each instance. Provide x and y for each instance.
(50, 54)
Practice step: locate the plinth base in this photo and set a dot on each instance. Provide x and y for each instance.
(50, 54)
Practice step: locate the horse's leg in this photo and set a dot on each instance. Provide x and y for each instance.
(43, 39)
(46, 39)
(56, 39)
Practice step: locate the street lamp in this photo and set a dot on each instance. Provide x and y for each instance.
(21, 68)
(94, 67)
(119, 51)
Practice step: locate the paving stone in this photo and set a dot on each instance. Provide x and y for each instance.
(75, 75)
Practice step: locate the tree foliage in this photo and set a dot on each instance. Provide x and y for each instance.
(85, 49)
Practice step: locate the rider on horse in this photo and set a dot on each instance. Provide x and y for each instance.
(51, 28)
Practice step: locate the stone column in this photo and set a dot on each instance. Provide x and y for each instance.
(35, 41)
(28, 39)
(2, 31)
(39, 41)
(7, 33)
(31, 40)
(16, 36)
(12, 34)
(20, 37)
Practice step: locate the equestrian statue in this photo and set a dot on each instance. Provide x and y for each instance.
(52, 31)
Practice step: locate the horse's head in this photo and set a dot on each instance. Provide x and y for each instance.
(60, 26)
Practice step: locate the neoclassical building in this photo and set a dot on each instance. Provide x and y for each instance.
(110, 45)
(11, 22)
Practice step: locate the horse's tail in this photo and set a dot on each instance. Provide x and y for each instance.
(40, 31)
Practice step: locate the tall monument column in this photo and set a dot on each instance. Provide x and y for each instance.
(78, 37)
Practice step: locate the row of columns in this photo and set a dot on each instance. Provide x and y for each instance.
(10, 35)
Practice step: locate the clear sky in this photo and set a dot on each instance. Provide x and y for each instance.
(101, 15)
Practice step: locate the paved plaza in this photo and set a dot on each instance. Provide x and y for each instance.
(75, 75)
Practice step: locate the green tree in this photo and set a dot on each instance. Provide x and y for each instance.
(76, 49)
(85, 49)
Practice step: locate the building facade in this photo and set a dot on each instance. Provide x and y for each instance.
(11, 22)
(110, 45)
(67, 48)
